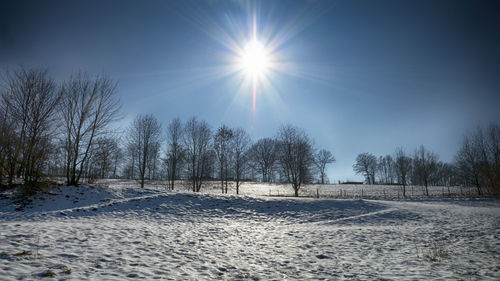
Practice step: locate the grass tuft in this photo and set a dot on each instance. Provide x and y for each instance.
(49, 273)
(22, 254)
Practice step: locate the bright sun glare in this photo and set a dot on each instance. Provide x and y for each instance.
(255, 59)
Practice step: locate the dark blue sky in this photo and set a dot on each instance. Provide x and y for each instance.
(358, 76)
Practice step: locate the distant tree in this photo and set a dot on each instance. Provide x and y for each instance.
(240, 146)
(222, 146)
(8, 143)
(154, 161)
(402, 167)
(490, 158)
(478, 160)
(263, 156)
(425, 165)
(117, 158)
(144, 137)
(28, 106)
(468, 163)
(447, 174)
(323, 158)
(104, 157)
(385, 168)
(295, 155)
(88, 107)
(175, 150)
(366, 164)
(197, 136)
(130, 170)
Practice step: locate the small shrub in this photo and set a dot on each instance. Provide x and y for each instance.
(4, 255)
(22, 254)
(65, 270)
(48, 273)
(436, 252)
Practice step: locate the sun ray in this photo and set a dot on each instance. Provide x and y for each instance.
(258, 45)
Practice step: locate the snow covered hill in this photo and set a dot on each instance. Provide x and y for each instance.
(123, 232)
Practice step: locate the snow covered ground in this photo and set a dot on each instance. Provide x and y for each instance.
(340, 191)
(124, 232)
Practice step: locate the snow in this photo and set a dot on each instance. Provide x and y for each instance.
(119, 231)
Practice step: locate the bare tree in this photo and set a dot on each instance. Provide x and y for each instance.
(425, 167)
(240, 147)
(402, 167)
(385, 168)
(222, 147)
(106, 153)
(296, 156)
(144, 141)
(197, 137)
(175, 150)
(8, 143)
(490, 151)
(28, 105)
(478, 160)
(117, 158)
(468, 163)
(87, 109)
(366, 164)
(263, 156)
(323, 158)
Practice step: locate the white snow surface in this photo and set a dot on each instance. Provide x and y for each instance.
(119, 232)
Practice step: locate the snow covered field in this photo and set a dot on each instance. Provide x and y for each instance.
(122, 232)
(340, 191)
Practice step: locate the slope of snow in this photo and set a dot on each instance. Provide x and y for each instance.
(122, 232)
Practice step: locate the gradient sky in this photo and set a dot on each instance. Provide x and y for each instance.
(358, 76)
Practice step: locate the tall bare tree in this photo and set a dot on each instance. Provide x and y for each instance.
(106, 154)
(425, 164)
(88, 107)
(8, 142)
(296, 156)
(175, 150)
(366, 164)
(240, 147)
(28, 105)
(144, 137)
(197, 136)
(385, 168)
(468, 163)
(264, 155)
(222, 147)
(323, 158)
(478, 159)
(402, 167)
(490, 151)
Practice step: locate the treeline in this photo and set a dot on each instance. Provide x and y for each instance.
(195, 152)
(476, 164)
(52, 130)
(64, 130)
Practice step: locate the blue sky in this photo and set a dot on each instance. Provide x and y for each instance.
(358, 76)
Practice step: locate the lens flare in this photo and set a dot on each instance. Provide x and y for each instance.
(255, 59)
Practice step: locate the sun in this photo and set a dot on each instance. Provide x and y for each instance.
(255, 59)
